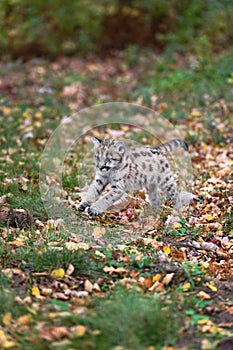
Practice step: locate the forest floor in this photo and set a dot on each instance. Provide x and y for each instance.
(127, 280)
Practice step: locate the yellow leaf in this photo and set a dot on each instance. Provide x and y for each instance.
(186, 286)
(211, 286)
(100, 254)
(35, 291)
(6, 320)
(8, 344)
(203, 321)
(209, 217)
(18, 242)
(166, 250)
(38, 115)
(195, 113)
(6, 110)
(3, 338)
(71, 246)
(37, 124)
(177, 225)
(156, 277)
(76, 246)
(78, 331)
(58, 273)
(4, 343)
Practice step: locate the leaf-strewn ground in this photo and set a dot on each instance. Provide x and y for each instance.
(170, 287)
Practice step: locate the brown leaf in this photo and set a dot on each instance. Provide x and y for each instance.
(88, 286)
(203, 295)
(230, 310)
(70, 270)
(167, 279)
(54, 333)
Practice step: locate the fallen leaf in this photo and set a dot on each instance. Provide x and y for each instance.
(24, 320)
(203, 321)
(98, 231)
(51, 333)
(17, 243)
(96, 287)
(3, 337)
(156, 277)
(195, 113)
(177, 225)
(35, 292)
(148, 281)
(100, 254)
(7, 318)
(70, 270)
(76, 246)
(209, 217)
(88, 286)
(46, 291)
(167, 279)
(58, 273)
(230, 310)
(113, 270)
(186, 286)
(167, 250)
(4, 343)
(78, 331)
(60, 296)
(211, 286)
(203, 295)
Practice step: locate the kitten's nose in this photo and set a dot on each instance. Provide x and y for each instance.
(104, 168)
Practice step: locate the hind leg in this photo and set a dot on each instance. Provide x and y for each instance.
(169, 187)
(179, 199)
(154, 197)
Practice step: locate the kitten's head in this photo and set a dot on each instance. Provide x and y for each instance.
(108, 154)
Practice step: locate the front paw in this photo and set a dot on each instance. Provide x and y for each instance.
(93, 212)
(82, 206)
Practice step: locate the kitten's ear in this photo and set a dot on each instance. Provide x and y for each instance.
(96, 141)
(120, 147)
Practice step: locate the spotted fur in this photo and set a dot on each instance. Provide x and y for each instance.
(128, 170)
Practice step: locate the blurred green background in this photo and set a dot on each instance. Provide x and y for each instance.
(50, 28)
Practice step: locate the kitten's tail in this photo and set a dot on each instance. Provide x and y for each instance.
(172, 145)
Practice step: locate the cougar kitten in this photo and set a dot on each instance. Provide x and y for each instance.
(132, 169)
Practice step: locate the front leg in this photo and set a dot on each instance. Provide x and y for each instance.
(95, 189)
(105, 201)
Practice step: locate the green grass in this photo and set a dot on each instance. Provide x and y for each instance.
(128, 320)
(44, 259)
(134, 321)
(197, 82)
(192, 82)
